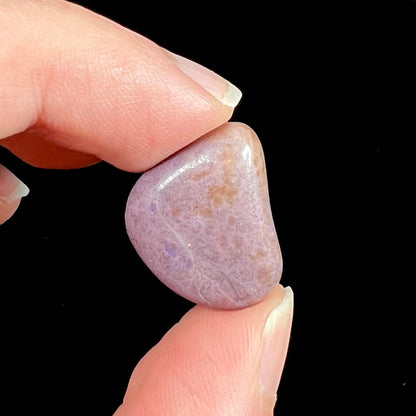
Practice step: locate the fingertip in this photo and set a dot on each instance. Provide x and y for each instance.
(211, 361)
(112, 95)
(12, 190)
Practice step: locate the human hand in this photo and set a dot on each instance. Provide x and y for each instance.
(71, 97)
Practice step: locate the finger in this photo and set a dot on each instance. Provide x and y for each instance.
(77, 88)
(11, 192)
(215, 363)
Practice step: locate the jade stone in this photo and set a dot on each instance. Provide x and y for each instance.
(201, 221)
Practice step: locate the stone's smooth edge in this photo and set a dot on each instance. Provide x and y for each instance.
(154, 178)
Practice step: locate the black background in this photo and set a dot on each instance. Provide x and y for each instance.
(328, 88)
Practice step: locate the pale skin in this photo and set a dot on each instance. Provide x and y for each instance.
(70, 98)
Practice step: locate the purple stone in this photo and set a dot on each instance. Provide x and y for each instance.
(202, 223)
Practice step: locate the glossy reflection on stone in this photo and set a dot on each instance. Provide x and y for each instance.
(201, 221)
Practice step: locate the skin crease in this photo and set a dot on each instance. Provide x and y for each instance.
(67, 108)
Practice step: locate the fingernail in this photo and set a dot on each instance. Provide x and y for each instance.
(217, 86)
(11, 188)
(276, 336)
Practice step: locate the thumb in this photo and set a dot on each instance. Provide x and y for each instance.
(11, 192)
(215, 363)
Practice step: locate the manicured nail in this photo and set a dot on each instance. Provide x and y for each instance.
(217, 86)
(11, 188)
(276, 336)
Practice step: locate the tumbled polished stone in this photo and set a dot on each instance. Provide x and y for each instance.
(202, 223)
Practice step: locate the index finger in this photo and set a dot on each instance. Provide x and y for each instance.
(77, 88)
